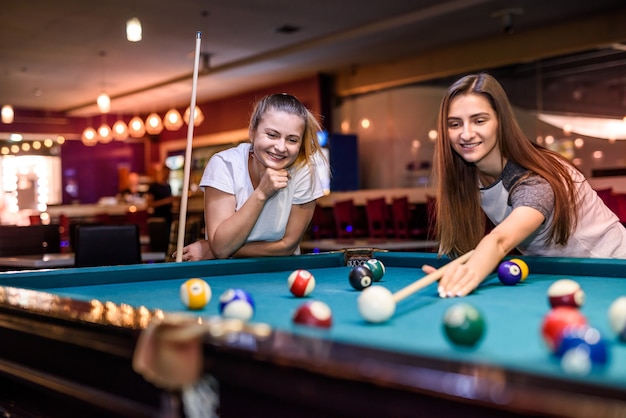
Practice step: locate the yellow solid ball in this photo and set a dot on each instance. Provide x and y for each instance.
(195, 293)
(523, 267)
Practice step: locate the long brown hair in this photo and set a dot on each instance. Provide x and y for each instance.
(459, 220)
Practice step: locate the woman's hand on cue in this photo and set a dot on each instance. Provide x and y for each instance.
(458, 280)
(199, 250)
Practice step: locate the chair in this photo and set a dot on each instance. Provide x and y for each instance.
(29, 240)
(607, 197)
(65, 233)
(619, 206)
(346, 223)
(159, 233)
(401, 217)
(431, 210)
(107, 245)
(139, 218)
(377, 217)
(322, 223)
(421, 223)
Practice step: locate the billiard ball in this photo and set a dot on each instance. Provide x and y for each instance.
(463, 324)
(313, 313)
(301, 283)
(376, 267)
(509, 273)
(555, 323)
(617, 317)
(237, 304)
(360, 277)
(566, 292)
(587, 338)
(376, 304)
(577, 361)
(522, 265)
(195, 293)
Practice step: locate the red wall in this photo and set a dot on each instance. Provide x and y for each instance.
(94, 170)
(234, 112)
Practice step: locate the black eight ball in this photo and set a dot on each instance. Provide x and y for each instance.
(361, 277)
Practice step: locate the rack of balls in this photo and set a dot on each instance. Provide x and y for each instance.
(567, 332)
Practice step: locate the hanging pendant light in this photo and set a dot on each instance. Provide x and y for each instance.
(104, 103)
(133, 30)
(89, 137)
(7, 114)
(105, 135)
(120, 130)
(198, 116)
(173, 121)
(154, 124)
(136, 128)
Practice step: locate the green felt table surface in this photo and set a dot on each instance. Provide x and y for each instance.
(513, 314)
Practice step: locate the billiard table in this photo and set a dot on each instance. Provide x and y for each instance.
(67, 339)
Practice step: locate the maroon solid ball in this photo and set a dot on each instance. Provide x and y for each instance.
(566, 292)
(314, 313)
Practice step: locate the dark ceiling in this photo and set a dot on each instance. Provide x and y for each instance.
(59, 55)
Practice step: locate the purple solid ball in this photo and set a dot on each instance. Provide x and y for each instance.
(509, 273)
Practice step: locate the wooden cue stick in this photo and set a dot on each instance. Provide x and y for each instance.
(428, 279)
(187, 166)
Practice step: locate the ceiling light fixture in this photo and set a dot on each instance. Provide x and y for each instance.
(154, 124)
(136, 128)
(198, 116)
(7, 114)
(120, 130)
(89, 137)
(104, 133)
(604, 128)
(133, 30)
(173, 121)
(103, 101)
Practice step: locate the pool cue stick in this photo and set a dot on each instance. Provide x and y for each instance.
(428, 279)
(187, 167)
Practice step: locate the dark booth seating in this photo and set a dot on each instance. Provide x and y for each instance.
(107, 245)
(29, 240)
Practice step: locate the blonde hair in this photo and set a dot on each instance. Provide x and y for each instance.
(287, 103)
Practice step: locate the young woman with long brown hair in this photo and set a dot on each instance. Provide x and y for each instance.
(538, 201)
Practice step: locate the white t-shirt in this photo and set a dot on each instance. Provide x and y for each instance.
(598, 234)
(228, 171)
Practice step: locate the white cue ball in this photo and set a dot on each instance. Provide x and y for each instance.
(576, 361)
(617, 316)
(376, 304)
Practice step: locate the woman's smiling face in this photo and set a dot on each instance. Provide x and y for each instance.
(473, 131)
(278, 139)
